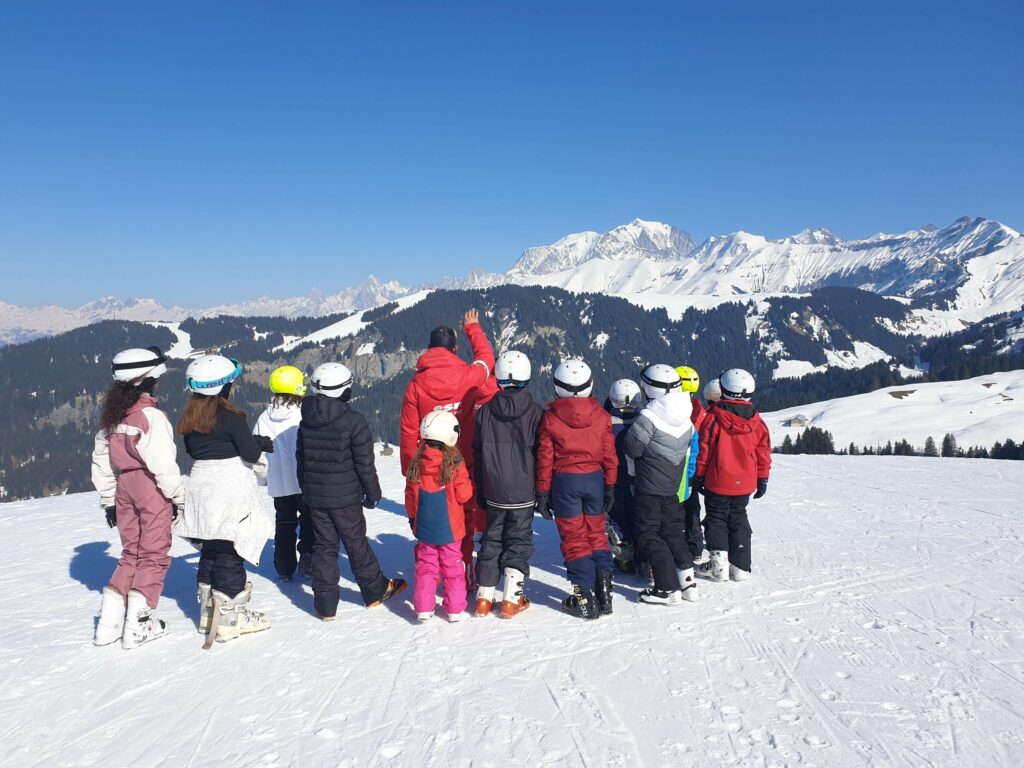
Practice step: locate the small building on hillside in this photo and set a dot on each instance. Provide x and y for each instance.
(797, 421)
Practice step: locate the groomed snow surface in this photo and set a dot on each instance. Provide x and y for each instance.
(884, 627)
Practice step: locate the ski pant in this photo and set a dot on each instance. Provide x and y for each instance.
(658, 522)
(221, 567)
(507, 543)
(577, 500)
(144, 524)
(289, 511)
(727, 528)
(622, 511)
(439, 562)
(346, 526)
(691, 517)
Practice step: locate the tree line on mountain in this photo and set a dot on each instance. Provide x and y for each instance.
(814, 440)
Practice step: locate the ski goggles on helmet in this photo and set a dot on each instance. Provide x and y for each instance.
(151, 365)
(575, 388)
(195, 385)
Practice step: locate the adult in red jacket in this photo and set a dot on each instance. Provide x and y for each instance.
(577, 467)
(734, 461)
(445, 381)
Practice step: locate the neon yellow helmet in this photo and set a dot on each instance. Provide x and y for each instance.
(288, 380)
(691, 379)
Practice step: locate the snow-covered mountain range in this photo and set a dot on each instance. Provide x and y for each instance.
(972, 268)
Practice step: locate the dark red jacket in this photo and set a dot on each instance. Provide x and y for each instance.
(434, 508)
(697, 412)
(575, 438)
(735, 449)
(445, 381)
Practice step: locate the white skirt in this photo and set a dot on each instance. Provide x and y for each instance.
(222, 501)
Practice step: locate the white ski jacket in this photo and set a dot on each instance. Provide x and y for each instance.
(281, 424)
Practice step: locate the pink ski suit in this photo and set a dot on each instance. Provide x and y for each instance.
(134, 468)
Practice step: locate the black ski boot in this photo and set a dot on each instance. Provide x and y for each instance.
(582, 604)
(603, 592)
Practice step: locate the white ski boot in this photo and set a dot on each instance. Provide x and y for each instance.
(231, 618)
(423, 616)
(738, 574)
(513, 601)
(204, 596)
(110, 626)
(702, 558)
(660, 597)
(688, 584)
(716, 569)
(455, 618)
(139, 625)
(484, 601)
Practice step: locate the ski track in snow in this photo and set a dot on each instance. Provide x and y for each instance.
(884, 627)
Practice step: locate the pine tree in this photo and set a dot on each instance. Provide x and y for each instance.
(929, 447)
(787, 444)
(949, 447)
(853, 450)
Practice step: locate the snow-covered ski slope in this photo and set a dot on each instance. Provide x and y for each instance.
(884, 627)
(976, 411)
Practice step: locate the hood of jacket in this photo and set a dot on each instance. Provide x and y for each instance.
(510, 404)
(442, 367)
(734, 416)
(284, 412)
(576, 412)
(674, 409)
(320, 410)
(145, 400)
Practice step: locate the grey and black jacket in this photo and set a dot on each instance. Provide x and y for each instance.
(659, 443)
(505, 449)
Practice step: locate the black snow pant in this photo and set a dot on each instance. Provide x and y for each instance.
(347, 526)
(221, 567)
(726, 527)
(622, 511)
(507, 542)
(659, 539)
(691, 516)
(289, 511)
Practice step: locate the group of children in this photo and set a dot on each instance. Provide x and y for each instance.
(621, 482)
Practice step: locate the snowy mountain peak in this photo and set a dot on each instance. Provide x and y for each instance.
(819, 236)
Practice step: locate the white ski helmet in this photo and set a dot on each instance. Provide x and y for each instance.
(573, 378)
(658, 380)
(209, 374)
(512, 369)
(713, 391)
(441, 427)
(624, 394)
(331, 380)
(138, 364)
(736, 384)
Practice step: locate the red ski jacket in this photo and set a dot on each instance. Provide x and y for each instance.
(575, 438)
(445, 381)
(435, 509)
(735, 449)
(697, 412)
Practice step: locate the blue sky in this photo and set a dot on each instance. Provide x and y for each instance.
(208, 152)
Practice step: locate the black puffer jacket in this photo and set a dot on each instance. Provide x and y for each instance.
(505, 449)
(334, 455)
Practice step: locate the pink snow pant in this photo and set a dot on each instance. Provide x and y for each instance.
(444, 561)
(144, 522)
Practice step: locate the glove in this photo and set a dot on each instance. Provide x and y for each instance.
(609, 499)
(111, 516)
(265, 443)
(412, 524)
(697, 485)
(175, 511)
(543, 505)
(369, 503)
(762, 487)
(481, 502)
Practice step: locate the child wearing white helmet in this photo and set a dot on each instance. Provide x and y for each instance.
(338, 477)
(505, 457)
(224, 514)
(623, 403)
(577, 468)
(280, 422)
(437, 485)
(734, 462)
(135, 470)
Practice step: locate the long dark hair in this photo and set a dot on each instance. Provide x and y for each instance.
(450, 458)
(200, 414)
(120, 397)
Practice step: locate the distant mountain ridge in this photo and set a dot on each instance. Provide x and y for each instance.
(974, 267)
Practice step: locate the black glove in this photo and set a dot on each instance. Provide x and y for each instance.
(111, 516)
(762, 487)
(265, 443)
(481, 502)
(369, 503)
(412, 524)
(175, 511)
(542, 502)
(609, 499)
(697, 485)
